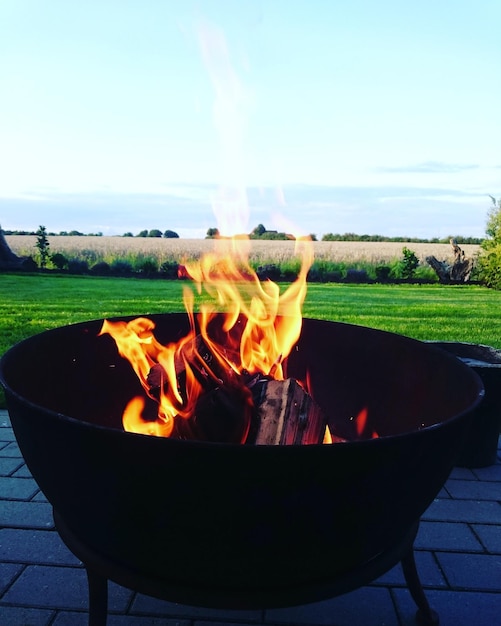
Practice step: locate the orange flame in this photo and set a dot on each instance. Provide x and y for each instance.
(361, 425)
(260, 327)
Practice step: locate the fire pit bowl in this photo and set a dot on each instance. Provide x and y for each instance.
(261, 523)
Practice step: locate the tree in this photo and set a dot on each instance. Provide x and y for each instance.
(42, 244)
(407, 266)
(489, 260)
(170, 234)
(212, 233)
(142, 233)
(154, 232)
(259, 230)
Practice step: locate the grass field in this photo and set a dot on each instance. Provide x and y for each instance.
(108, 248)
(30, 304)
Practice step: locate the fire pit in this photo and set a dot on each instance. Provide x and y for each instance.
(241, 525)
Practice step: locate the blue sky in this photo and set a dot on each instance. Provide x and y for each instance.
(310, 115)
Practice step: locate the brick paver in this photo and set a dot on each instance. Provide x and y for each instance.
(458, 555)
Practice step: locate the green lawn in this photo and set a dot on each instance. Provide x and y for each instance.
(33, 303)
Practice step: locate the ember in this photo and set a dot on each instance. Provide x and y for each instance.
(224, 380)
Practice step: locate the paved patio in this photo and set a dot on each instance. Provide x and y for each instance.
(458, 554)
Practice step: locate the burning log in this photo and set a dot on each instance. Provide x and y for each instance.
(243, 408)
(286, 415)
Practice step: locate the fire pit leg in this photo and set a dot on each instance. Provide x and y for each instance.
(425, 615)
(98, 598)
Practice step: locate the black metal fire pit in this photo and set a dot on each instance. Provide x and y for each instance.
(234, 525)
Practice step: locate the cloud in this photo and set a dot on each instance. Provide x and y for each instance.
(319, 209)
(428, 167)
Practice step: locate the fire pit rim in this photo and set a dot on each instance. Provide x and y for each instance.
(226, 445)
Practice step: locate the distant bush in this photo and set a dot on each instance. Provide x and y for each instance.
(78, 266)
(121, 267)
(147, 266)
(169, 269)
(269, 272)
(100, 269)
(382, 273)
(356, 276)
(59, 261)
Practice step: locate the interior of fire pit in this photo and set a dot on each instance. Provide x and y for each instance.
(193, 512)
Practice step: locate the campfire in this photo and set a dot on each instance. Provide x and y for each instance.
(224, 380)
(200, 516)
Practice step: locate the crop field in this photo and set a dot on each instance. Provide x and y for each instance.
(109, 248)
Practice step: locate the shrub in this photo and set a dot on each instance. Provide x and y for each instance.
(147, 266)
(332, 277)
(489, 260)
(407, 266)
(382, 273)
(269, 272)
(169, 269)
(59, 261)
(100, 269)
(356, 276)
(78, 266)
(119, 266)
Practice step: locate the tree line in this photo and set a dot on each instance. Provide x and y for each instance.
(261, 232)
(154, 232)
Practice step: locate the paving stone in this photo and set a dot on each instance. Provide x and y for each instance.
(40, 497)
(152, 606)
(370, 606)
(472, 571)
(46, 586)
(7, 434)
(22, 472)
(462, 473)
(129, 620)
(447, 536)
(4, 419)
(464, 511)
(72, 618)
(490, 536)
(453, 608)
(17, 488)
(474, 490)
(12, 450)
(19, 616)
(443, 493)
(80, 619)
(26, 514)
(493, 472)
(225, 623)
(429, 572)
(34, 546)
(8, 571)
(9, 465)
